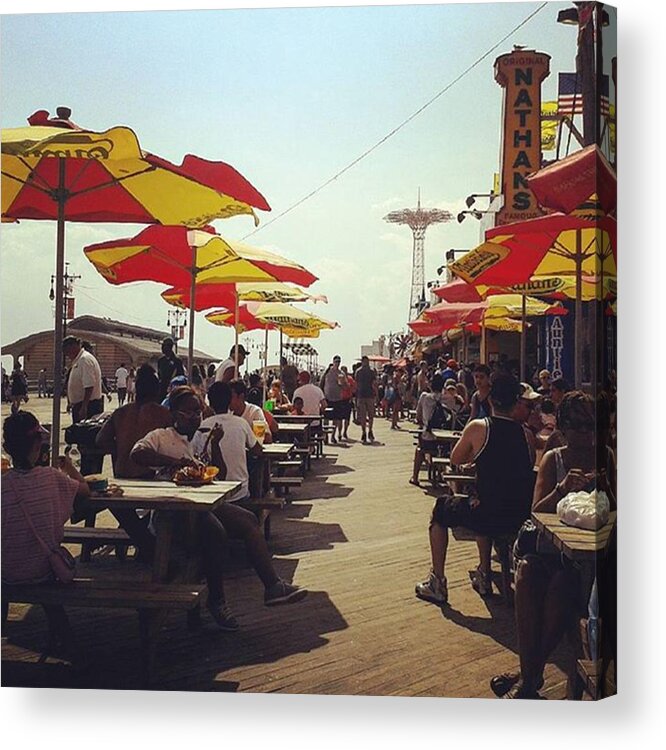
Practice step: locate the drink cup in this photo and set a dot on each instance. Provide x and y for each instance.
(259, 429)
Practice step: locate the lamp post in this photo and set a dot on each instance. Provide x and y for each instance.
(68, 280)
(175, 320)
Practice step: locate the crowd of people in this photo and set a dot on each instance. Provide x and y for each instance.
(527, 447)
(527, 444)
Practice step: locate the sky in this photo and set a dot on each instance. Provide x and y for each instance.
(289, 96)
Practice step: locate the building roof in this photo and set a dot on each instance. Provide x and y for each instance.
(139, 341)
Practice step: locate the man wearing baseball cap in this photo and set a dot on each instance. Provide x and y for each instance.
(451, 370)
(225, 371)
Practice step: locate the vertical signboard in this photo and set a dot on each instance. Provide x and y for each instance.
(559, 345)
(520, 74)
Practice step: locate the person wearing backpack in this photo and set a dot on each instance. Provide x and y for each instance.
(431, 414)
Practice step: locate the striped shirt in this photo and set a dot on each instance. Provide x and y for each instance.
(48, 496)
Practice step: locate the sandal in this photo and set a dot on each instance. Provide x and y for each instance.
(500, 684)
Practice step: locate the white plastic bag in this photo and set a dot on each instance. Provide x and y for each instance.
(585, 510)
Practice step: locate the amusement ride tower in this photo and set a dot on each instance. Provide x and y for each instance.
(418, 220)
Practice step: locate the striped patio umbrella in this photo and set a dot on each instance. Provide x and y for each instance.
(55, 170)
(195, 258)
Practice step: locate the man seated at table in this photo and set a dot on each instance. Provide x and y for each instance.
(238, 522)
(250, 412)
(504, 482)
(118, 436)
(171, 448)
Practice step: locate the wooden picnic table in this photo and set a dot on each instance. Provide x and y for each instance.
(297, 418)
(584, 548)
(446, 436)
(579, 545)
(170, 500)
(294, 429)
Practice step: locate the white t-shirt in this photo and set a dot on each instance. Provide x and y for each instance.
(237, 437)
(312, 396)
(84, 373)
(254, 413)
(223, 367)
(167, 442)
(121, 377)
(425, 408)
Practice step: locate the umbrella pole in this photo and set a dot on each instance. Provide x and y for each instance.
(280, 354)
(236, 333)
(523, 338)
(193, 289)
(578, 322)
(484, 353)
(59, 316)
(265, 360)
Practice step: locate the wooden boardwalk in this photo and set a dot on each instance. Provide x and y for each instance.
(356, 536)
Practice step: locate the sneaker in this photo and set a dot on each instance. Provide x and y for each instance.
(223, 617)
(433, 590)
(283, 593)
(481, 583)
(371, 437)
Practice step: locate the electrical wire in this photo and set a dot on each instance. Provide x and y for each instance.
(399, 127)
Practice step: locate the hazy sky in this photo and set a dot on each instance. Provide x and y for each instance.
(289, 97)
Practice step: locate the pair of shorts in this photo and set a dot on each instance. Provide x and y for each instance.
(338, 408)
(451, 512)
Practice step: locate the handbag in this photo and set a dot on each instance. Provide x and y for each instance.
(527, 539)
(60, 558)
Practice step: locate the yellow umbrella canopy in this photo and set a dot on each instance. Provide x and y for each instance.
(224, 295)
(108, 177)
(278, 314)
(495, 306)
(558, 287)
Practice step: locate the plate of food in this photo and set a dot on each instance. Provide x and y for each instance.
(195, 476)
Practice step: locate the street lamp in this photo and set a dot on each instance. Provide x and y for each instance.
(471, 199)
(474, 212)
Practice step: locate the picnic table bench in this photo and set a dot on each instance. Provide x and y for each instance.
(152, 598)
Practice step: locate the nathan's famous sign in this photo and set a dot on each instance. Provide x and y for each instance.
(520, 74)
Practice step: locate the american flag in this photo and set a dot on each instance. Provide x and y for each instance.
(570, 95)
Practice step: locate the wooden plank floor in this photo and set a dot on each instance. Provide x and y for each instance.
(355, 535)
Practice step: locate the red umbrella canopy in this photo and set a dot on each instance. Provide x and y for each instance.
(570, 182)
(245, 322)
(457, 291)
(165, 254)
(547, 246)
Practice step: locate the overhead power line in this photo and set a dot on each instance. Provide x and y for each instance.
(399, 127)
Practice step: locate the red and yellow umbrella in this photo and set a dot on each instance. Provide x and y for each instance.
(194, 258)
(572, 247)
(224, 295)
(55, 170)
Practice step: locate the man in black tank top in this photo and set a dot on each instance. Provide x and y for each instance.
(505, 483)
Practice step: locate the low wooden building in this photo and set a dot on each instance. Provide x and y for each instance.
(113, 341)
